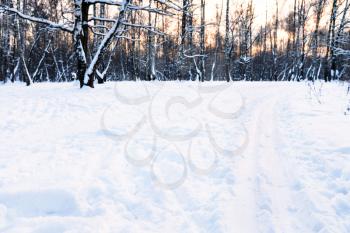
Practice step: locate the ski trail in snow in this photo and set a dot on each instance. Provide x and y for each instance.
(59, 171)
(272, 188)
(262, 192)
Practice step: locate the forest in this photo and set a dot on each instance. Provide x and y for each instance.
(175, 116)
(103, 40)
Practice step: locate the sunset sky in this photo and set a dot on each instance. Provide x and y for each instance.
(260, 7)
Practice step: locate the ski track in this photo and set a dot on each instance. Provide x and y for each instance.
(273, 194)
(60, 173)
(261, 174)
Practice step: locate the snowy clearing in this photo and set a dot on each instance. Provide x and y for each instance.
(174, 157)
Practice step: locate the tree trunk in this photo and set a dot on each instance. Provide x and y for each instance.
(227, 42)
(315, 38)
(330, 43)
(202, 42)
(80, 41)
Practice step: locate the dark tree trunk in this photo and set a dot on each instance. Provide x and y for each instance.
(202, 42)
(227, 45)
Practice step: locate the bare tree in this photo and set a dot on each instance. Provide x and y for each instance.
(329, 72)
(318, 8)
(202, 72)
(227, 42)
(56, 40)
(86, 68)
(274, 41)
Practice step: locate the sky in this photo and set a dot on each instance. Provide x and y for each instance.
(260, 8)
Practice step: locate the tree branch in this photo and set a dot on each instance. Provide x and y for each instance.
(50, 24)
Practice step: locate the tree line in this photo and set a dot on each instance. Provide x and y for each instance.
(99, 40)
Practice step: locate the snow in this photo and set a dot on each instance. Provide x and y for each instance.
(50, 24)
(174, 157)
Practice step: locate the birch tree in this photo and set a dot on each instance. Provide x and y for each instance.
(329, 72)
(318, 9)
(79, 28)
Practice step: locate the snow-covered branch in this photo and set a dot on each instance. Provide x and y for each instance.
(50, 24)
(146, 27)
(108, 2)
(116, 29)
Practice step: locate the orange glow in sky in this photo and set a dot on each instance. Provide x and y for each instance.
(260, 8)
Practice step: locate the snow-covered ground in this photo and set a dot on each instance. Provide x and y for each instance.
(174, 157)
